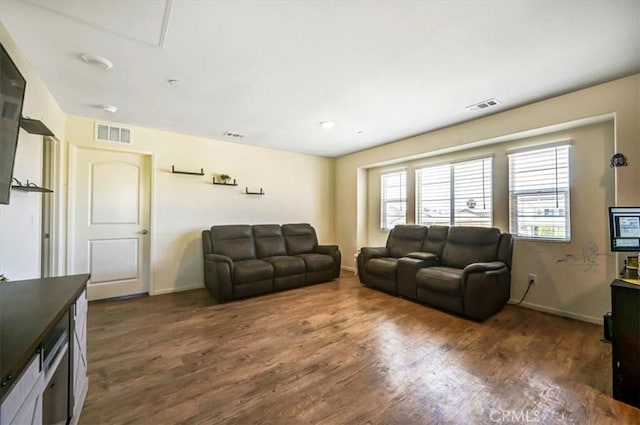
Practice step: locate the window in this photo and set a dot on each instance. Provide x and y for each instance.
(455, 194)
(393, 199)
(539, 194)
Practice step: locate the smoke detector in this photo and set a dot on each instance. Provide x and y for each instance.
(485, 104)
(98, 61)
(110, 108)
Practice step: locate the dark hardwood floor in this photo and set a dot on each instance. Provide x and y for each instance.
(339, 353)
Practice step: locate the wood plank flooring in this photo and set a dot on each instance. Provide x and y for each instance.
(339, 353)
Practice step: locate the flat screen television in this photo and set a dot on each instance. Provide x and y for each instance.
(624, 229)
(12, 87)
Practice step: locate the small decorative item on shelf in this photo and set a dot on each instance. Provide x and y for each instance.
(3, 278)
(225, 180)
(174, 171)
(246, 191)
(28, 187)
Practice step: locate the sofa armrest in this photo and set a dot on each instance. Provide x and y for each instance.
(364, 255)
(326, 249)
(218, 274)
(217, 258)
(334, 252)
(493, 268)
(424, 256)
(408, 267)
(487, 288)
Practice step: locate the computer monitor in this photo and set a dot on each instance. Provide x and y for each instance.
(624, 229)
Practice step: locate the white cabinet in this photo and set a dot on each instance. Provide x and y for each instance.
(80, 380)
(23, 404)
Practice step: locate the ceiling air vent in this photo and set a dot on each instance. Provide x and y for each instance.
(108, 133)
(234, 134)
(485, 104)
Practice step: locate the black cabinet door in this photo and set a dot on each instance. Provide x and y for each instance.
(625, 312)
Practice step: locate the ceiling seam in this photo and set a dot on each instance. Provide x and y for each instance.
(165, 23)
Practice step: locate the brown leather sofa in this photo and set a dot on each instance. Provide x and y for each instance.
(464, 270)
(243, 261)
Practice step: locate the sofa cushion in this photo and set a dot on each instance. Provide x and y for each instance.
(300, 238)
(405, 238)
(233, 241)
(384, 267)
(447, 280)
(248, 271)
(286, 266)
(316, 262)
(436, 237)
(269, 240)
(466, 245)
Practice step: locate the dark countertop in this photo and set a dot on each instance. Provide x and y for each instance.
(28, 311)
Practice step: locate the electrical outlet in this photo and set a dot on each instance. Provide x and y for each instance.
(532, 279)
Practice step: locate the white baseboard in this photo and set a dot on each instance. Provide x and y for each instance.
(558, 312)
(178, 289)
(349, 269)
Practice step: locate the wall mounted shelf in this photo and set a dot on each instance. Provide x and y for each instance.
(174, 171)
(224, 183)
(34, 126)
(29, 187)
(246, 191)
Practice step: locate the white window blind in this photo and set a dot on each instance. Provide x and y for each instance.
(433, 195)
(539, 194)
(472, 188)
(393, 199)
(455, 194)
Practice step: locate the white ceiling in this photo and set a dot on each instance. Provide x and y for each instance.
(273, 70)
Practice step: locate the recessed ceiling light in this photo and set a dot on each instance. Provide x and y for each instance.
(175, 82)
(110, 108)
(327, 124)
(98, 61)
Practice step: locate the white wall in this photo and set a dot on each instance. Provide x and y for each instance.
(20, 221)
(299, 188)
(617, 100)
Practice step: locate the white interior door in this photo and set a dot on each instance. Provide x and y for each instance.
(109, 202)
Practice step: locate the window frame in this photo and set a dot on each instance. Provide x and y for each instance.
(384, 201)
(515, 195)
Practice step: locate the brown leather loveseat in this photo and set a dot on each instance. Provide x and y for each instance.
(464, 270)
(242, 260)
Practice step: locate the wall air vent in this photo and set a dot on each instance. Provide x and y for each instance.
(234, 135)
(485, 104)
(109, 133)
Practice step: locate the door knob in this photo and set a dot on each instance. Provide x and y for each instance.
(144, 232)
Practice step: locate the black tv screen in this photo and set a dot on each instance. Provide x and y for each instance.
(12, 87)
(624, 229)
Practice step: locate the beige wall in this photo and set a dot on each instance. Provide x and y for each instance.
(616, 101)
(20, 221)
(299, 188)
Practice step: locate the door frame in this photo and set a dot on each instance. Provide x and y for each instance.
(50, 262)
(71, 203)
